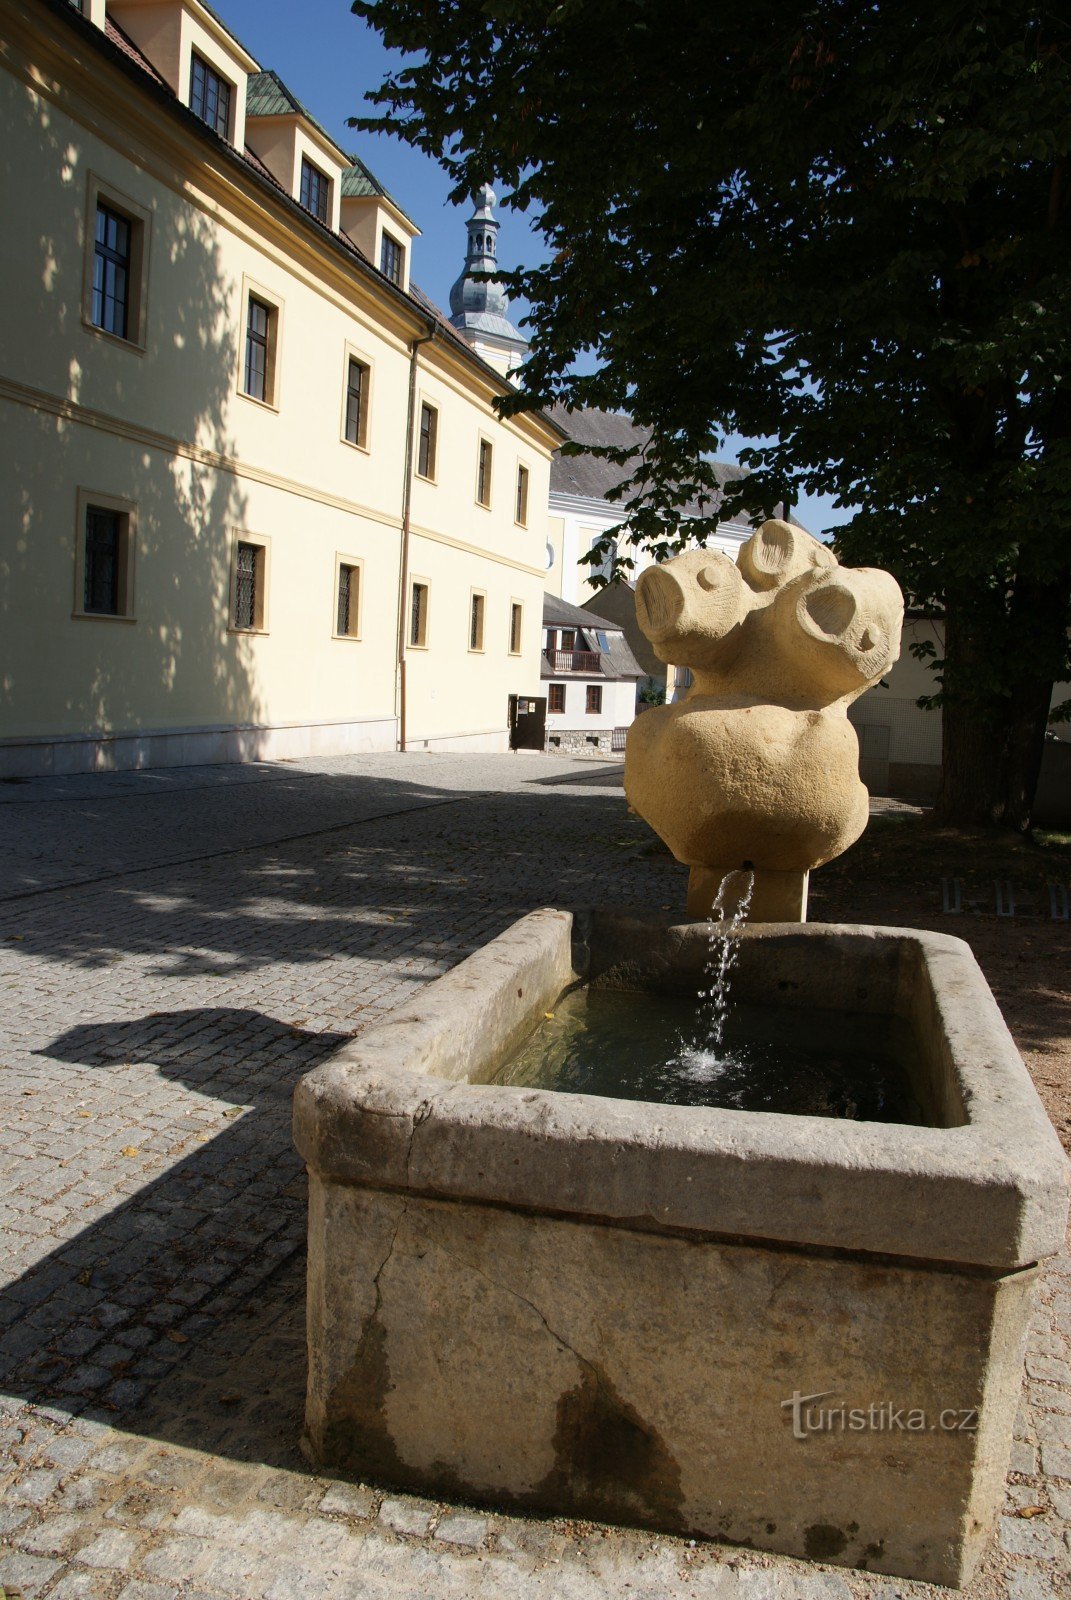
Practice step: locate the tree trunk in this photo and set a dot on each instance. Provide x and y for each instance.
(993, 731)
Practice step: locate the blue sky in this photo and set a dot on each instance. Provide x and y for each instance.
(328, 58)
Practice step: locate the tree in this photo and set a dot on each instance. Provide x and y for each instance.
(841, 229)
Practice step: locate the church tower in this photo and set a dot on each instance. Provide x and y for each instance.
(479, 309)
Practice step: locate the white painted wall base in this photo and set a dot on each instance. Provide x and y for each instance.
(493, 741)
(191, 747)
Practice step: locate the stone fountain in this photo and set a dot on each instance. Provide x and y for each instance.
(795, 1332)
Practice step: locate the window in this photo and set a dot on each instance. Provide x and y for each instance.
(260, 359)
(315, 190)
(245, 587)
(111, 271)
(210, 96)
(418, 616)
(428, 441)
(347, 610)
(105, 561)
(105, 535)
(516, 614)
(391, 259)
(249, 586)
(483, 474)
(115, 264)
(521, 514)
(102, 561)
(357, 402)
(476, 614)
(556, 699)
(594, 705)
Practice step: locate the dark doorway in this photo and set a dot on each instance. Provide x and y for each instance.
(527, 722)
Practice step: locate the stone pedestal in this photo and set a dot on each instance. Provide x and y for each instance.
(775, 896)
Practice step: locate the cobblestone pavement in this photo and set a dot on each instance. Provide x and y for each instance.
(176, 949)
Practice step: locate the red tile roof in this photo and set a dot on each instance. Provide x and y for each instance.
(125, 43)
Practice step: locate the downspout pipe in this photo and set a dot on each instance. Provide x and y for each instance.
(407, 496)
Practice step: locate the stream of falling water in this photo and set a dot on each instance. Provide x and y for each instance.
(703, 1057)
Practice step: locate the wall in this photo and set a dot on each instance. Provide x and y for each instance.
(577, 522)
(169, 429)
(900, 744)
(618, 711)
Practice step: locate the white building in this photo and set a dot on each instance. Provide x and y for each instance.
(589, 677)
(580, 513)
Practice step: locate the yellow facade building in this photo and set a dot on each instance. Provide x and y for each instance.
(256, 499)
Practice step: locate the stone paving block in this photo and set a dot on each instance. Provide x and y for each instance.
(294, 1581)
(68, 1450)
(289, 1491)
(137, 1590)
(1051, 1368)
(34, 1488)
(348, 1500)
(91, 1489)
(124, 1455)
(142, 1506)
(55, 1537)
(176, 1556)
(27, 1574)
(1054, 1427)
(461, 1529)
(172, 1469)
(12, 1517)
(1024, 1458)
(83, 1585)
(1021, 1536)
(240, 1572)
(411, 1517)
(1056, 1461)
(1029, 1586)
(114, 1549)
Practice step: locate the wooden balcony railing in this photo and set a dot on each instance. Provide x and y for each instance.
(573, 660)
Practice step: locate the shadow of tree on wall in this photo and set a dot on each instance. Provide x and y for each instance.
(177, 665)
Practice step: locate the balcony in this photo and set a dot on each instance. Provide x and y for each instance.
(586, 661)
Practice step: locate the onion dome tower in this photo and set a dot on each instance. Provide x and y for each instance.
(479, 310)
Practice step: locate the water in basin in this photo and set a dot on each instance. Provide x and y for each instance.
(634, 1046)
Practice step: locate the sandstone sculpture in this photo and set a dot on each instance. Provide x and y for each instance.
(758, 767)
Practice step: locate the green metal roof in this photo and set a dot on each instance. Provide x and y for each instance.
(268, 96)
(358, 183)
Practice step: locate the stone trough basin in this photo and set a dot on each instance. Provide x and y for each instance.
(790, 1332)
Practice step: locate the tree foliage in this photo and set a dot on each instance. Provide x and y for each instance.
(843, 229)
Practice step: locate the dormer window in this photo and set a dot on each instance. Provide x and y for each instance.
(391, 259)
(315, 190)
(210, 96)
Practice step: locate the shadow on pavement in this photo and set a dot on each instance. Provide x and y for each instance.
(180, 1313)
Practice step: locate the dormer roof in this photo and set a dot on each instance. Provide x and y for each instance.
(268, 96)
(359, 183)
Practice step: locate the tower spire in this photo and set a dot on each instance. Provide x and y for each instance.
(478, 307)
